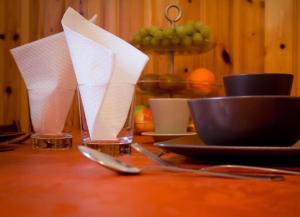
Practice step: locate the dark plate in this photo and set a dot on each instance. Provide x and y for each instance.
(9, 135)
(192, 146)
(5, 148)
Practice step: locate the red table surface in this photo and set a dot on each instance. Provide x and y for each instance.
(40, 183)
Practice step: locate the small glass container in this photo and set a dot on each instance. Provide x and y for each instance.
(119, 103)
(60, 141)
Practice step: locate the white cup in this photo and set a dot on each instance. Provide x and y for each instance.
(170, 115)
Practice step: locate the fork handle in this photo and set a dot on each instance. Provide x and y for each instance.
(219, 174)
(254, 168)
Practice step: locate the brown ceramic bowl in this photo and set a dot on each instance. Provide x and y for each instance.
(258, 84)
(247, 120)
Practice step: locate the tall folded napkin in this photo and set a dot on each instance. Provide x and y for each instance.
(48, 73)
(47, 70)
(106, 68)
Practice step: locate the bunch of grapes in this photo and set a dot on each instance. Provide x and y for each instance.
(187, 34)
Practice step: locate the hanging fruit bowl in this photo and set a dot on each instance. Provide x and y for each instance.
(190, 37)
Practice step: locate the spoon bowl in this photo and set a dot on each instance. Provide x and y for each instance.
(108, 161)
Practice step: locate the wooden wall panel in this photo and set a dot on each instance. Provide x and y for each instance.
(49, 17)
(248, 36)
(251, 36)
(296, 57)
(280, 37)
(11, 79)
(24, 31)
(217, 16)
(2, 53)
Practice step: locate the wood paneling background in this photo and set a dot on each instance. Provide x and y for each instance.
(251, 36)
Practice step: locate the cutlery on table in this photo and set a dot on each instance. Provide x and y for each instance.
(118, 166)
(228, 166)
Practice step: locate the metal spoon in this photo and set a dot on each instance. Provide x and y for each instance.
(118, 166)
(108, 161)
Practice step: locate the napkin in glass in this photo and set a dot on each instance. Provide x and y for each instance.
(46, 68)
(101, 61)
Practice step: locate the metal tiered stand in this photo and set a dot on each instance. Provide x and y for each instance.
(174, 88)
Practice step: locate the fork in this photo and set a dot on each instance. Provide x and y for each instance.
(167, 164)
(160, 161)
(242, 167)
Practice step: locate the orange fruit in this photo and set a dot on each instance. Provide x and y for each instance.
(202, 80)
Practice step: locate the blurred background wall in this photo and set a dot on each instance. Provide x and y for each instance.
(251, 36)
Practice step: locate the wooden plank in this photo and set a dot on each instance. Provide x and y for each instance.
(12, 77)
(25, 12)
(96, 7)
(50, 20)
(130, 11)
(77, 5)
(111, 16)
(296, 54)
(2, 69)
(248, 36)
(223, 52)
(279, 36)
(216, 14)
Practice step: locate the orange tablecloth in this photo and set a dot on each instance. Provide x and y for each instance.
(64, 183)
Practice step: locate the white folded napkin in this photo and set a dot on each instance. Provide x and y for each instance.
(46, 68)
(106, 68)
(48, 73)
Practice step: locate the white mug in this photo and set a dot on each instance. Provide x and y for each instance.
(170, 115)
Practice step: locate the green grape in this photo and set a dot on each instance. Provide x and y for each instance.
(175, 40)
(165, 42)
(197, 38)
(144, 32)
(205, 31)
(137, 39)
(198, 26)
(152, 30)
(180, 30)
(147, 40)
(189, 29)
(158, 34)
(169, 32)
(154, 41)
(186, 40)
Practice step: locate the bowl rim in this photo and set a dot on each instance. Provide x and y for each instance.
(259, 74)
(218, 98)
